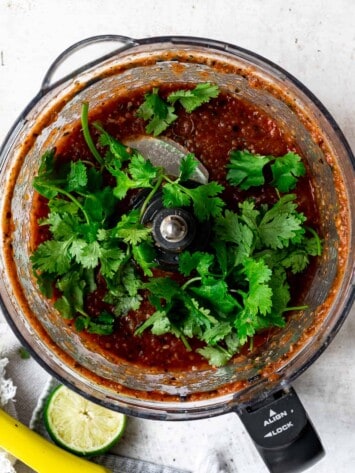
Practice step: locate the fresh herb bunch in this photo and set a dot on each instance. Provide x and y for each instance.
(234, 289)
(160, 114)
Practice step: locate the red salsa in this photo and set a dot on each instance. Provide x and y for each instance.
(210, 132)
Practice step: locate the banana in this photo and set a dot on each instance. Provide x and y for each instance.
(37, 452)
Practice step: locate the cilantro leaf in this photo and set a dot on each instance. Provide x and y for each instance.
(111, 259)
(45, 182)
(229, 228)
(216, 292)
(194, 98)
(72, 286)
(205, 202)
(52, 256)
(280, 292)
(246, 169)
(174, 196)
(216, 355)
(123, 290)
(144, 255)
(86, 254)
(158, 322)
(259, 296)
(100, 205)
(157, 112)
(77, 179)
(286, 170)
(188, 166)
(281, 224)
(142, 171)
(198, 317)
(62, 226)
(130, 230)
(217, 333)
(100, 325)
(124, 184)
(163, 288)
(118, 152)
(197, 260)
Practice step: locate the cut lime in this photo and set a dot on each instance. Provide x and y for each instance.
(79, 425)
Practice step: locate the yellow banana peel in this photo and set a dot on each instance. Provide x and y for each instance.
(38, 453)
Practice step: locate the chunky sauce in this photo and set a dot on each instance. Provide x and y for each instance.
(210, 132)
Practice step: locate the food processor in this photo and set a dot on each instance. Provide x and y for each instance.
(258, 385)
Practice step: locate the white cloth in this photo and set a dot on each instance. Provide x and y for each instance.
(7, 394)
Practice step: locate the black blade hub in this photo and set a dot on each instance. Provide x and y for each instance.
(174, 230)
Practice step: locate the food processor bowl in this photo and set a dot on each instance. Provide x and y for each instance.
(247, 379)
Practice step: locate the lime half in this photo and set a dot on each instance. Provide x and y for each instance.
(79, 425)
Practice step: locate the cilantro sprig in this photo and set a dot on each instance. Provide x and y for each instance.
(239, 287)
(235, 288)
(161, 113)
(246, 170)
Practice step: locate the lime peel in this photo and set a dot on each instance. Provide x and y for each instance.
(79, 425)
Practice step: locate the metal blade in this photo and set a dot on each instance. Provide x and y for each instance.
(166, 153)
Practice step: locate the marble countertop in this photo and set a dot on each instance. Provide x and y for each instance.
(314, 41)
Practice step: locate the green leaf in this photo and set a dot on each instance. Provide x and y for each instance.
(142, 171)
(118, 152)
(221, 254)
(45, 282)
(123, 184)
(159, 114)
(72, 285)
(199, 261)
(205, 202)
(198, 318)
(217, 333)
(123, 290)
(62, 226)
(158, 322)
(249, 215)
(259, 296)
(64, 308)
(130, 230)
(296, 261)
(188, 166)
(102, 324)
(163, 288)
(229, 228)
(86, 254)
(144, 255)
(280, 291)
(246, 169)
(101, 204)
(77, 178)
(191, 99)
(175, 196)
(52, 256)
(111, 259)
(282, 224)
(217, 356)
(61, 206)
(286, 170)
(216, 293)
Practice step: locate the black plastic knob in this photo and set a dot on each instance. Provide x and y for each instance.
(174, 229)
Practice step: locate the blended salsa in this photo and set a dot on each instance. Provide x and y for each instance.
(211, 132)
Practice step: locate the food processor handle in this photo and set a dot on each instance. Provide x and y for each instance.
(47, 82)
(282, 432)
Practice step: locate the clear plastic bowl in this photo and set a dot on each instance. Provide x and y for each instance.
(200, 393)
